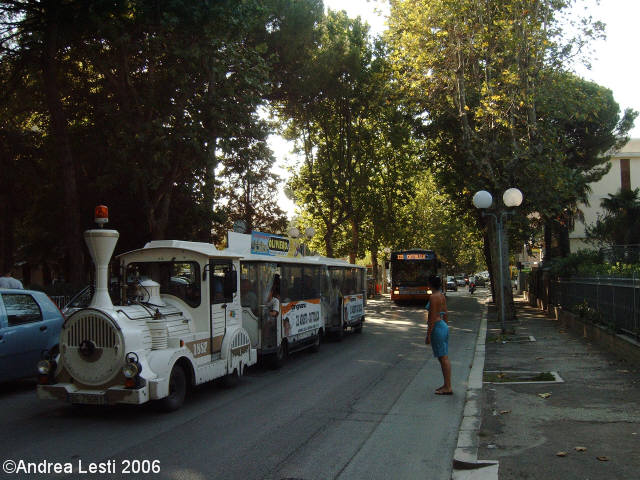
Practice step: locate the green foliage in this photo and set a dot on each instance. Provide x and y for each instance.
(151, 109)
(588, 263)
(432, 220)
(586, 313)
(576, 263)
(620, 223)
(359, 157)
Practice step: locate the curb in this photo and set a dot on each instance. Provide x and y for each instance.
(465, 459)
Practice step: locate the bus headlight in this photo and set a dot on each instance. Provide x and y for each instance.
(429, 292)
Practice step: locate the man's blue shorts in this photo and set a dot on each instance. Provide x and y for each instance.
(440, 339)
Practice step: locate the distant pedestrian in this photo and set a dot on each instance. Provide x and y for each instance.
(7, 281)
(438, 333)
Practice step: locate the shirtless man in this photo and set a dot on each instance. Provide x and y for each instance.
(438, 334)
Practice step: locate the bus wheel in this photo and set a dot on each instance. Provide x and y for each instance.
(177, 390)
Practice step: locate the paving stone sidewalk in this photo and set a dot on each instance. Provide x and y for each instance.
(593, 416)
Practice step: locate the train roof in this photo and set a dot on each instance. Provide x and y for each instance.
(240, 245)
(206, 249)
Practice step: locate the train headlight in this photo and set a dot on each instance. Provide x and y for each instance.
(46, 371)
(44, 367)
(130, 370)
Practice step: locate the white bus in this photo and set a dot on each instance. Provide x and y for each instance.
(178, 324)
(312, 301)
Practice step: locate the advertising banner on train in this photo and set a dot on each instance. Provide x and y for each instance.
(353, 307)
(274, 245)
(300, 317)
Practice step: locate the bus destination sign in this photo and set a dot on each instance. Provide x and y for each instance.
(414, 256)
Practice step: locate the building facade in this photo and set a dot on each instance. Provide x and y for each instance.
(624, 174)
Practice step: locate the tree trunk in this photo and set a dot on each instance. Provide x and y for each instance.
(548, 236)
(374, 266)
(355, 239)
(328, 239)
(73, 247)
(159, 218)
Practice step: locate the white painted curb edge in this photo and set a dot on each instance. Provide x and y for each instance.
(465, 459)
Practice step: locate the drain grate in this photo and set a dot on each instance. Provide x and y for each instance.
(520, 377)
(511, 339)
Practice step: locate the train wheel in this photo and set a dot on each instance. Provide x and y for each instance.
(278, 359)
(233, 379)
(340, 333)
(316, 345)
(177, 390)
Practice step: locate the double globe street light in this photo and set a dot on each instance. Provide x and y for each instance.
(309, 232)
(483, 200)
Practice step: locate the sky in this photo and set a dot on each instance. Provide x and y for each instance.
(615, 62)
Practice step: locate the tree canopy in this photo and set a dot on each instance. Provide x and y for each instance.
(162, 113)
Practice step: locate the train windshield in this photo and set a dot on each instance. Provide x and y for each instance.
(181, 279)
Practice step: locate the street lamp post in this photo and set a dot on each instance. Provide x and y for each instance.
(483, 200)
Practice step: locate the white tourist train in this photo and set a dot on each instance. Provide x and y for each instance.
(189, 313)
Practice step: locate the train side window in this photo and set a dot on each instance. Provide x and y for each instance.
(219, 271)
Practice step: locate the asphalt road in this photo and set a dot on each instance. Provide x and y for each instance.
(362, 408)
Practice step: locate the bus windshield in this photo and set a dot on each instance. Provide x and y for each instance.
(411, 273)
(412, 268)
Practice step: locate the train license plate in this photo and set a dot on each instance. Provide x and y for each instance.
(87, 399)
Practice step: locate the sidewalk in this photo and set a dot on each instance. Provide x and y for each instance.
(592, 414)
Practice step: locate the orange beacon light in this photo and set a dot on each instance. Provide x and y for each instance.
(101, 214)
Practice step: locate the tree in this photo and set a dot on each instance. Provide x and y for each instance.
(620, 223)
(582, 119)
(326, 116)
(356, 137)
(478, 71)
(137, 107)
(249, 187)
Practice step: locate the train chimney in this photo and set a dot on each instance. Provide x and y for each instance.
(101, 243)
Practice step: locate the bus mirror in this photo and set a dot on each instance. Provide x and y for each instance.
(230, 283)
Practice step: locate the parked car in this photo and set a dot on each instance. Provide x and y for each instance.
(451, 284)
(460, 281)
(30, 325)
(480, 281)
